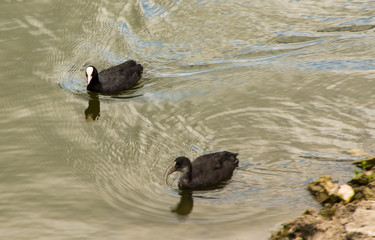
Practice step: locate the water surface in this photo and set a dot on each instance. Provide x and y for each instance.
(286, 84)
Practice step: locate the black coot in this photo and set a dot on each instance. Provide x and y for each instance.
(206, 171)
(114, 79)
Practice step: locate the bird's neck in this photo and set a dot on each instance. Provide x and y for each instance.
(187, 174)
(94, 80)
(94, 85)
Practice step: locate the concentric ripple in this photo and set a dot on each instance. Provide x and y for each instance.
(287, 84)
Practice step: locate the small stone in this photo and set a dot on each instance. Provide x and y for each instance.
(324, 190)
(345, 192)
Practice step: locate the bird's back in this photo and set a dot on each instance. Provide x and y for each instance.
(213, 168)
(120, 77)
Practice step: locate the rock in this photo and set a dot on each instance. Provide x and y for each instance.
(326, 192)
(351, 221)
(366, 163)
(363, 177)
(311, 226)
(299, 228)
(323, 189)
(348, 210)
(363, 192)
(363, 219)
(345, 192)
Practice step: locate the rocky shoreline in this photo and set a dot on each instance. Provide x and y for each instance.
(348, 211)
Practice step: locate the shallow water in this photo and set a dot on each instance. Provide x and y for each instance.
(286, 84)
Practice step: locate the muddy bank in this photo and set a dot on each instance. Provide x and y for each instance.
(348, 211)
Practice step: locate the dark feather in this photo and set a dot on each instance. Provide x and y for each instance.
(205, 171)
(116, 79)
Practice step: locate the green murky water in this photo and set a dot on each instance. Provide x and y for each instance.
(289, 85)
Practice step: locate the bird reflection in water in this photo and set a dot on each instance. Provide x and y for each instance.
(185, 206)
(92, 112)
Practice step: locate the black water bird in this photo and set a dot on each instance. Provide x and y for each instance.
(114, 79)
(205, 172)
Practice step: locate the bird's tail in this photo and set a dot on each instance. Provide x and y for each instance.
(139, 68)
(233, 157)
(236, 161)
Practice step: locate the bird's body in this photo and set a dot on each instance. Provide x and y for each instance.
(114, 79)
(205, 171)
